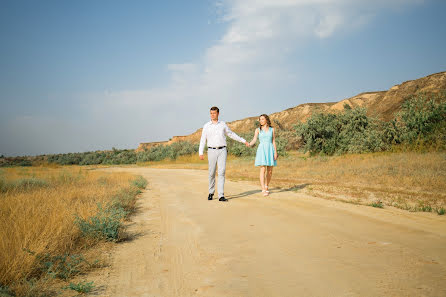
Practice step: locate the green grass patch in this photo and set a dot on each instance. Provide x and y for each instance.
(377, 204)
(440, 211)
(140, 182)
(81, 287)
(106, 224)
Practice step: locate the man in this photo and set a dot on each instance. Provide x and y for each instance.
(214, 132)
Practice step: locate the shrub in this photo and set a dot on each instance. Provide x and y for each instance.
(350, 131)
(106, 224)
(422, 119)
(5, 292)
(81, 287)
(125, 199)
(161, 152)
(140, 182)
(60, 266)
(377, 204)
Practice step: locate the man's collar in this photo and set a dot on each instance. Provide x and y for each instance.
(211, 122)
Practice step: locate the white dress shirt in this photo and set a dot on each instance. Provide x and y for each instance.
(215, 134)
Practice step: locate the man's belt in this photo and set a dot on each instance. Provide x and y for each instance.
(216, 148)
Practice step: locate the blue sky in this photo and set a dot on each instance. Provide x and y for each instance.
(86, 75)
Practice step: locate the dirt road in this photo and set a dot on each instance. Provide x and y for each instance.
(287, 244)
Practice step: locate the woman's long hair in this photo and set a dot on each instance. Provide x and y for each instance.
(268, 121)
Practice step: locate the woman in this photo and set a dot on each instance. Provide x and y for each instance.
(266, 156)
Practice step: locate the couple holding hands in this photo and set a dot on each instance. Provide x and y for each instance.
(215, 132)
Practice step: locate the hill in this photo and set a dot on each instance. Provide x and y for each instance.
(383, 104)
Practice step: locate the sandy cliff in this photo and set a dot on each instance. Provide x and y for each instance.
(383, 104)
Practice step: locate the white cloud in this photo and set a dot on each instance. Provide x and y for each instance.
(243, 70)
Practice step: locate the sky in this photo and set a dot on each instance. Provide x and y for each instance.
(82, 75)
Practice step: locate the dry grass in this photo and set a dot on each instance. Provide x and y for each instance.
(37, 207)
(407, 180)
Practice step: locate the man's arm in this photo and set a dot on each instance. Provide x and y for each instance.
(202, 142)
(234, 136)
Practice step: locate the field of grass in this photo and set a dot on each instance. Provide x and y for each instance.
(407, 180)
(50, 219)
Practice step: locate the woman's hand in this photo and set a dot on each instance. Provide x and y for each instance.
(275, 155)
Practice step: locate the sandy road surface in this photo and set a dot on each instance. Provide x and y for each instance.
(287, 244)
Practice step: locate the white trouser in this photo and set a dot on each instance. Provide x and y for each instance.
(217, 157)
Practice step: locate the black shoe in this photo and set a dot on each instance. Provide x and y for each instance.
(210, 196)
(222, 199)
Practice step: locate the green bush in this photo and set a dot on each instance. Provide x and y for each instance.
(15, 161)
(350, 131)
(81, 287)
(140, 182)
(106, 224)
(6, 292)
(125, 199)
(161, 152)
(422, 119)
(59, 266)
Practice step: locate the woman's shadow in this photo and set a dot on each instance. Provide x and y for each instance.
(273, 190)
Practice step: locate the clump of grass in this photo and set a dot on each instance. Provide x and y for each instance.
(140, 182)
(5, 292)
(81, 287)
(377, 204)
(440, 211)
(60, 266)
(105, 224)
(425, 207)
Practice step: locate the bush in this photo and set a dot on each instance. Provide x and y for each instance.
(125, 199)
(351, 131)
(422, 119)
(140, 182)
(106, 224)
(60, 266)
(161, 152)
(81, 287)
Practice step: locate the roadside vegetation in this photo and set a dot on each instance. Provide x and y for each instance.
(50, 220)
(420, 125)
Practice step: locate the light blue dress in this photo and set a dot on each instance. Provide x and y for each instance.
(265, 151)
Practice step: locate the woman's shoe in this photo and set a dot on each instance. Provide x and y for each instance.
(265, 193)
(266, 189)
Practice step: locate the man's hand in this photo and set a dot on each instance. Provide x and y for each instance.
(201, 157)
(247, 144)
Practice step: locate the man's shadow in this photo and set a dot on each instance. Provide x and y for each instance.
(273, 190)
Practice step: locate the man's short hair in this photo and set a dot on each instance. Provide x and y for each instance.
(215, 108)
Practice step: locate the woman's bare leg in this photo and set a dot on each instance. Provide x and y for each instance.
(262, 177)
(269, 174)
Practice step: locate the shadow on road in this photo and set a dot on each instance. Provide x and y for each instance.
(273, 190)
(244, 194)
